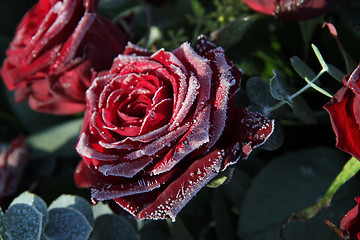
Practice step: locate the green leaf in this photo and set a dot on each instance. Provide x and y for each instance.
(197, 8)
(349, 170)
(308, 28)
(58, 140)
(335, 73)
(23, 221)
(216, 182)
(278, 88)
(289, 183)
(220, 179)
(259, 93)
(67, 223)
(111, 226)
(302, 110)
(75, 202)
(233, 32)
(34, 201)
(224, 224)
(302, 68)
(235, 189)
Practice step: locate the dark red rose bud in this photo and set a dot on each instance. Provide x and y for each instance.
(159, 126)
(57, 48)
(291, 9)
(350, 224)
(344, 111)
(12, 164)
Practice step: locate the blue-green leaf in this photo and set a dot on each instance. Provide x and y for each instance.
(67, 223)
(302, 68)
(302, 110)
(278, 88)
(258, 92)
(335, 73)
(34, 201)
(23, 221)
(75, 202)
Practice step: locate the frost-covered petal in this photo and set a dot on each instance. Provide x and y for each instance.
(250, 130)
(197, 136)
(56, 51)
(171, 200)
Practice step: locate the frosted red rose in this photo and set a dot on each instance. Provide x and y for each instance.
(291, 9)
(160, 125)
(344, 110)
(57, 46)
(350, 224)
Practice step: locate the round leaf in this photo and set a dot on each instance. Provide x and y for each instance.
(23, 221)
(302, 68)
(67, 223)
(36, 202)
(74, 202)
(278, 88)
(258, 92)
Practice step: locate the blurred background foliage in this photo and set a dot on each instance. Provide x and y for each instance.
(292, 171)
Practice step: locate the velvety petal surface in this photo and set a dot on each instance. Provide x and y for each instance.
(344, 113)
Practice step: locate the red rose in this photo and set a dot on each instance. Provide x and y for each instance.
(291, 9)
(350, 224)
(344, 110)
(57, 46)
(160, 125)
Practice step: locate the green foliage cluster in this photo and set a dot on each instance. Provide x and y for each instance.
(67, 217)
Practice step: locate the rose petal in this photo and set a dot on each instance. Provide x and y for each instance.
(250, 130)
(342, 109)
(350, 223)
(172, 199)
(203, 71)
(197, 136)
